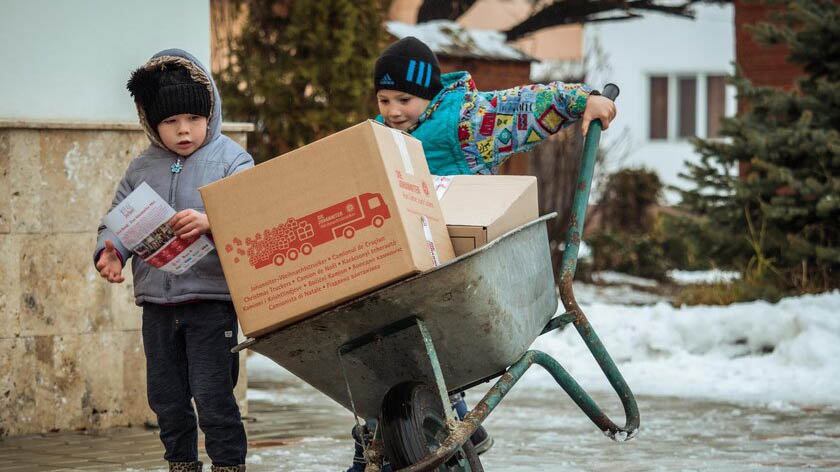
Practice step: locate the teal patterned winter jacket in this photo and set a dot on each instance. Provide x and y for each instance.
(466, 131)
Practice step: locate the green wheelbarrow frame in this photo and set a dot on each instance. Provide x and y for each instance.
(386, 337)
(460, 431)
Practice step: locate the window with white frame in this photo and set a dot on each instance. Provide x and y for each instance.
(683, 106)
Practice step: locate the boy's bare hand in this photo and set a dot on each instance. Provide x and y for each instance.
(189, 223)
(598, 108)
(109, 265)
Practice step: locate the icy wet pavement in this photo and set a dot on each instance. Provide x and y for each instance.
(676, 434)
(295, 428)
(541, 429)
(733, 404)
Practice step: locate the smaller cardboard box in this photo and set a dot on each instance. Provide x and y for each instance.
(479, 208)
(325, 223)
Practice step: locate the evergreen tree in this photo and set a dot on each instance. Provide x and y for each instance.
(301, 70)
(779, 221)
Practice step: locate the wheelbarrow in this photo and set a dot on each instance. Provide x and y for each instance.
(398, 353)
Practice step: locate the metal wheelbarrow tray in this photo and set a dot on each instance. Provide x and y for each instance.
(482, 310)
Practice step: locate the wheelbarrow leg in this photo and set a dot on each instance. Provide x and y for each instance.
(454, 443)
(431, 353)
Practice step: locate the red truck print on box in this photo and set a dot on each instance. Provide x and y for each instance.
(298, 236)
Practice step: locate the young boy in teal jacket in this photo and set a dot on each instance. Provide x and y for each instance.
(466, 131)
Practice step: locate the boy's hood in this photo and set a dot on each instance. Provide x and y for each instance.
(448, 80)
(453, 82)
(200, 75)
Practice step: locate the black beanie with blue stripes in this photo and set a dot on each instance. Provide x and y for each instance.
(408, 65)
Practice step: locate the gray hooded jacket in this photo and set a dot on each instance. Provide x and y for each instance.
(218, 157)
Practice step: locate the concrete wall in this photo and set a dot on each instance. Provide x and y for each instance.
(70, 59)
(71, 354)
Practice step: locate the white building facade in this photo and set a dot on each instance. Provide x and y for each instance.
(671, 74)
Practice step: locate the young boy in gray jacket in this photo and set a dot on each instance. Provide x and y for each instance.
(189, 323)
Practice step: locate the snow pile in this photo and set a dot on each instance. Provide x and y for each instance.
(689, 277)
(748, 352)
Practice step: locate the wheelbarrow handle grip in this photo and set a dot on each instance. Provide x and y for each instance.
(610, 91)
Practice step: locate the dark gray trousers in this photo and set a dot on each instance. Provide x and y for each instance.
(188, 357)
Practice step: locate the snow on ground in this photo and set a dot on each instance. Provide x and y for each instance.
(786, 353)
(781, 355)
(617, 278)
(623, 294)
(584, 251)
(682, 277)
(688, 277)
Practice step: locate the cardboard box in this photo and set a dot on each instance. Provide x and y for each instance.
(325, 223)
(479, 208)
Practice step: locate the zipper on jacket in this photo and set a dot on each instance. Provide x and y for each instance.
(167, 277)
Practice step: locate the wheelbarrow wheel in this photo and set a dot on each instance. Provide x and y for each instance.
(413, 424)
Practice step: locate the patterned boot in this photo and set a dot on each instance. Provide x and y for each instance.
(227, 468)
(364, 433)
(482, 441)
(359, 461)
(185, 466)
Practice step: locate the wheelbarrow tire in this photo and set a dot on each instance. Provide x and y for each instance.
(413, 424)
